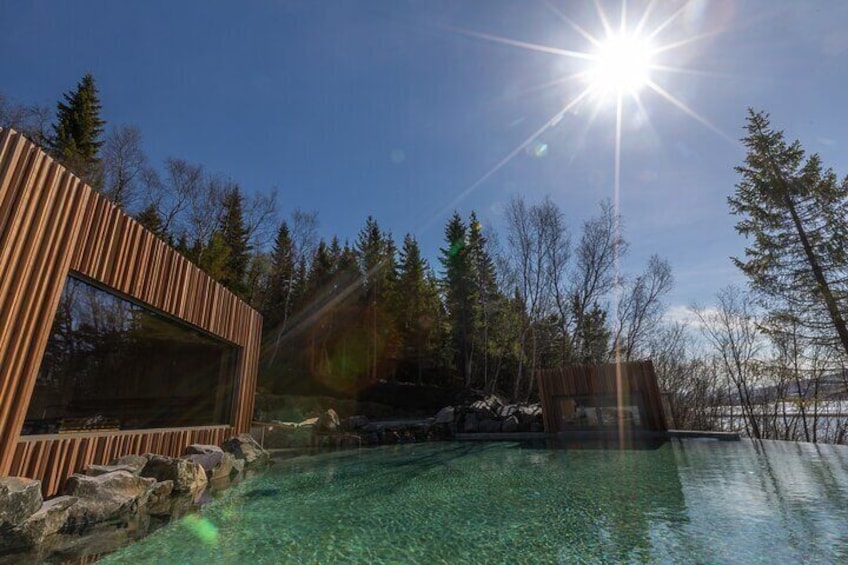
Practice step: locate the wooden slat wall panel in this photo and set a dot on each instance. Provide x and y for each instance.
(591, 380)
(51, 224)
(54, 458)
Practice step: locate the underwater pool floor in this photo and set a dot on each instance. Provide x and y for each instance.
(686, 501)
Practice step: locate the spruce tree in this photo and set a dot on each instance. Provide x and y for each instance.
(235, 238)
(215, 258)
(485, 293)
(459, 283)
(77, 133)
(417, 308)
(281, 281)
(150, 219)
(795, 215)
(376, 258)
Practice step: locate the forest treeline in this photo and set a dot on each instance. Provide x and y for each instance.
(340, 314)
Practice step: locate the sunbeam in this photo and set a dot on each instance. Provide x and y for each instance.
(509, 157)
(521, 44)
(690, 112)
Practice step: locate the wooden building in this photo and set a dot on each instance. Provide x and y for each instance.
(618, 398)
(111, 342)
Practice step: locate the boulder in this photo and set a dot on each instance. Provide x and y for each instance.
(530, 413)
(482, 410)
(244, 447)
(188, 476)
(97, 470)
(20, 498)
(471, 424)
(105, 497)
(510, 424)
(201, 449)
(489, 426)
(217, 465)
(446, 415)
(328, 421)
(46, 521)
(137, 462)
(159, 499)
(506, 411)
(308, 423)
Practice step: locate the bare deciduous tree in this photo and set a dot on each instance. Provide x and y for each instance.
(731, 328)
(640, 308)
(124, 163)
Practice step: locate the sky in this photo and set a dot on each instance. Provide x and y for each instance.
(409, 110)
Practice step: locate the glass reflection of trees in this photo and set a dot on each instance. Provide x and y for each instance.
(112, 364)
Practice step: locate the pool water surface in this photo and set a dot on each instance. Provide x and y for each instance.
(687, 501)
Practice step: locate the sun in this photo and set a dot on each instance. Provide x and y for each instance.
(620, 64)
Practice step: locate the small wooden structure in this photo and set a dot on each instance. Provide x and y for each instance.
(53, 225)
(612, 397)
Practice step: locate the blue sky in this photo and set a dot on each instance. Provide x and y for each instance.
(386, 108)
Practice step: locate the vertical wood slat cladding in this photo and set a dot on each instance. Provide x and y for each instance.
(52, 224)
(54, 458)
(591, 380)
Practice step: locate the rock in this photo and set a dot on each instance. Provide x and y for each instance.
(470, 425)
(482, 410)
(137, 462)
(201, 449)
(244, 447)
(506, 411)
(20, 498)
(356, 422)
(280, 425)
(97, 470)
(530, 413)
(159, 499)
(217, 465)
(510, 424)
(446, 415)
(238, 466)
(48, 520)
(328, 421)
(188, 476)
(489, 426)
(105, 497)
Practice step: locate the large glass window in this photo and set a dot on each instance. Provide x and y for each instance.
(598, 412)
(112, 364)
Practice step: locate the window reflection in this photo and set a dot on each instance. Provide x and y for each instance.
(601, 411)
(112, 364)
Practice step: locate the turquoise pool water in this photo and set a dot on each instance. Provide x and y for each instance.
(687, 501)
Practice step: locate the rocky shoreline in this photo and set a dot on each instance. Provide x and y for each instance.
(490, 414)
(108, 506)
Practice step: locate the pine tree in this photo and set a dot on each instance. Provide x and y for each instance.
(796, 215)
(78, 130)
(281, 281)
(235, 237)
(215, 258)
(376, 257)
(459, 285)
(150, 219)
(417, 309)
(485, 293)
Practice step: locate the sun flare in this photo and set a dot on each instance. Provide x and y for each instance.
(622, 63)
